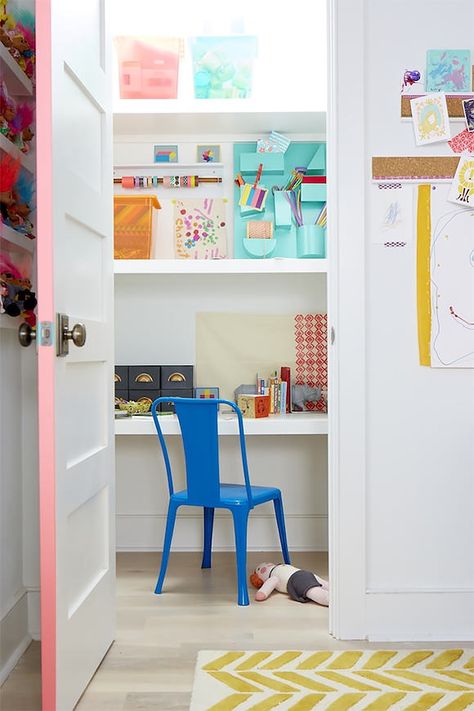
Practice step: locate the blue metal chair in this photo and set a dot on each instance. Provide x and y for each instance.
(199, 430)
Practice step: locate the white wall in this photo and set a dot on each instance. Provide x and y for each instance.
(155, 323)
(14, 635)
(416, 546)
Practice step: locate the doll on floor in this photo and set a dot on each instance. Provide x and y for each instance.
(301, 585)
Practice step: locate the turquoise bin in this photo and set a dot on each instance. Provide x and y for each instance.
(311, 242)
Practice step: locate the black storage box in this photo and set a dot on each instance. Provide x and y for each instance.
(140, 395)
(169, 407)
(177, 377)
(144, 377)
(121, 377)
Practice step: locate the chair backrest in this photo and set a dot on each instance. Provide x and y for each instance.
(198, 420)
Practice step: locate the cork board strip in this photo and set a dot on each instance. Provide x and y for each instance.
(414, 168)
(453, 101)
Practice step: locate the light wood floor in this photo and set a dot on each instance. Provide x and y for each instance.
(151, 663)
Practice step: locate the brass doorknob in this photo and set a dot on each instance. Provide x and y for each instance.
(26, 334)
(77, 334)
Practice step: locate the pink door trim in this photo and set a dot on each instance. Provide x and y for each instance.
(46, 355)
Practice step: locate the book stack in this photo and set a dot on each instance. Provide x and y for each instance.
(277, 388)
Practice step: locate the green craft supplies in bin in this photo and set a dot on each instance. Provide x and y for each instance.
(223, 66)
(311, 242)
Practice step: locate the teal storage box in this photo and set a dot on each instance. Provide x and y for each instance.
(311, 242)
(282, 209)
(313, 192)
(272, 162)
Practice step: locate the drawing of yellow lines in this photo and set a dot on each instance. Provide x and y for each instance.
(412, 659)
(425, 702)
(223, 661)
(308, 702)
(314, 660)
(303, 681)
(428, 680)
(445, 659)
(234, 682)
(230, 702)
(281, 660)
(379, 659)
(385, 701)
(344, 702)
(268, 681)
(270, 702)
(386, 681)
(346, 660)
(469, 664)
(464, 701)
(253, 661)
(465, 677)
(347, 681)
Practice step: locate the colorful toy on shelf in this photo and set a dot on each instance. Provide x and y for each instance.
(301, 585)
(15, 213)
(16, 297)
(9, 172)
(8, 112)
(21, 127)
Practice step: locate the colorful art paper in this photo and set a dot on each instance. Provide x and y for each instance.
(462, 187)
(133, 222)
(446, 323)
(165, 154)
(223, 66)
(468, 108)
(391, 213)
(464, 141)
(254, 197)
(430, 119)
(410, 80)
(200, 228)
(208, 153)
(448, 70)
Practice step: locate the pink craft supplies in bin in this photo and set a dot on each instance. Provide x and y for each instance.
(148, 67)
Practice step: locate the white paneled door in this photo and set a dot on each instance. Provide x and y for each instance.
(75, 278)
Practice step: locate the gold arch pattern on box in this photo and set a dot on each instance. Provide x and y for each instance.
(420, 680)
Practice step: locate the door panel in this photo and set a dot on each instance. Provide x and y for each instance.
(75, 277)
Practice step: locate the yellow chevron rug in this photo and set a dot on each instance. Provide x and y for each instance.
(438, 680)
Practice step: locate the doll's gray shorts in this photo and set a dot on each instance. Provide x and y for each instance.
(299, 583)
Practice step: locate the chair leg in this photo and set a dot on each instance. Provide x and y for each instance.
(240, 516)
(280, 519)
(171, 518)
(208, 526)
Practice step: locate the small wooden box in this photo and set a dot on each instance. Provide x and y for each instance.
(254, 406)
(177, 377)
(144, 377)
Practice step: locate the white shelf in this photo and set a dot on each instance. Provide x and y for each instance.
(16, 237)
(142, 116)
(220, 266)
(15, 78)
(304, 423)
(26, 159)
(160, 166)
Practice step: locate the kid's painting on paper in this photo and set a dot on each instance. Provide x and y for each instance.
(200, 228)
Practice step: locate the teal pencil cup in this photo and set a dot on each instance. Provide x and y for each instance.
(311, 242)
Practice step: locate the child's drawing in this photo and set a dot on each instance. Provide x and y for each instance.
(392, 213)
(462, 187)
(430, 119)
(448, 70)
(200, 228)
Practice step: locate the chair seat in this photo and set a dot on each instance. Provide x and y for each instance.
(234, 495)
